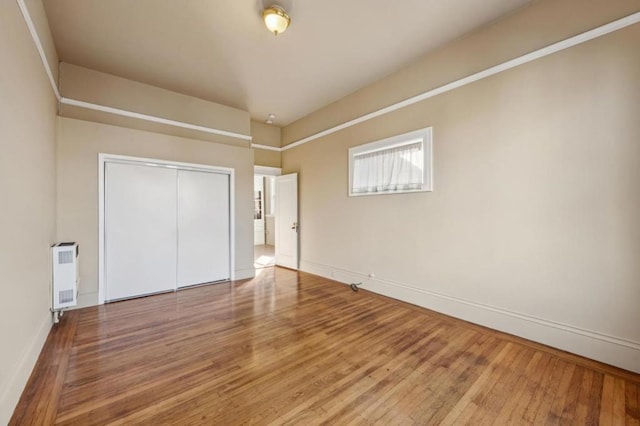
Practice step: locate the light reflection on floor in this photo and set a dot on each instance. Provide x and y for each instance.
(264, 256)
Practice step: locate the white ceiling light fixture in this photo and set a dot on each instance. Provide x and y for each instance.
(270, 119)
(276, 19)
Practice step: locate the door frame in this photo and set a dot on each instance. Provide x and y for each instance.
(104, 158)
(267, 171)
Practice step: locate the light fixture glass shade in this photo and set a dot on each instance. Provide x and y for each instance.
(276, 19)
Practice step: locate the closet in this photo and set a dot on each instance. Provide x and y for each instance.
(165, 227)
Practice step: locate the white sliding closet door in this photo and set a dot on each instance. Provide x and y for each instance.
(203, 227)
(140, 230)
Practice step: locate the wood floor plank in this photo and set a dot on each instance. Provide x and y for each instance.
(465, 406)
(407, 390)
(293, 348)
(499, 394)
(512, 412)
(632, 404)
(39, 402)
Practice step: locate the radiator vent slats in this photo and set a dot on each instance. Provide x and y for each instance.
(64, 275)
(65, 257)
(65, 296)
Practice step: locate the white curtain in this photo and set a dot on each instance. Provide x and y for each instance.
(394, 169)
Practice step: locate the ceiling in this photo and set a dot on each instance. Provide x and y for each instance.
(219, 50)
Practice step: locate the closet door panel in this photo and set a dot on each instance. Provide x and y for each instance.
(140, 230)
(203, 227)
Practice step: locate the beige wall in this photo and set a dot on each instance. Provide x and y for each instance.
(532, 227)
(263, 157)
(265, 134)
(27, 215)
(78, 145)
(103, 89)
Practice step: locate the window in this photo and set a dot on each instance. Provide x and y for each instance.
(393, 165)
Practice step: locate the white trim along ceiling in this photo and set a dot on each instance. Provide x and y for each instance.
(512, 63)
(125, 113)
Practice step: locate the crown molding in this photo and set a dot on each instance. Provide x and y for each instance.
(512, 63)
(152, 118)
(116, 111)
(39, 48)
(267, 147)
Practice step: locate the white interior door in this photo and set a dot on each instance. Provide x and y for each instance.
(140, 230)
(286, 221)
(203, 227)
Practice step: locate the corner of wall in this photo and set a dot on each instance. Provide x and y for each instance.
(16, 383)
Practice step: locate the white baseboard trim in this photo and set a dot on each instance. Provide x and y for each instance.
(243, 274)
(598, 346)
(87, 299)
(16, 383)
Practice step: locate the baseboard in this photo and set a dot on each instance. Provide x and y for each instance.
(91, 299)
(86, 299)
(600, 347)
(243, 274)
(16, 383)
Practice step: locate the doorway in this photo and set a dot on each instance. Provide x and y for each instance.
(264, 216)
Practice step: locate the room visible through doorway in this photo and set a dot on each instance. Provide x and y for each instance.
(264, 220)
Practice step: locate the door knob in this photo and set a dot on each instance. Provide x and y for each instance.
(294, 226)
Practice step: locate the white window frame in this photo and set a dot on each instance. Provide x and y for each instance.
(423, 135)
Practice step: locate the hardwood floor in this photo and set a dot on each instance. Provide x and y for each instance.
(293, 348)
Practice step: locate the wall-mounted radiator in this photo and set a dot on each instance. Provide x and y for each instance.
(64, 257)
